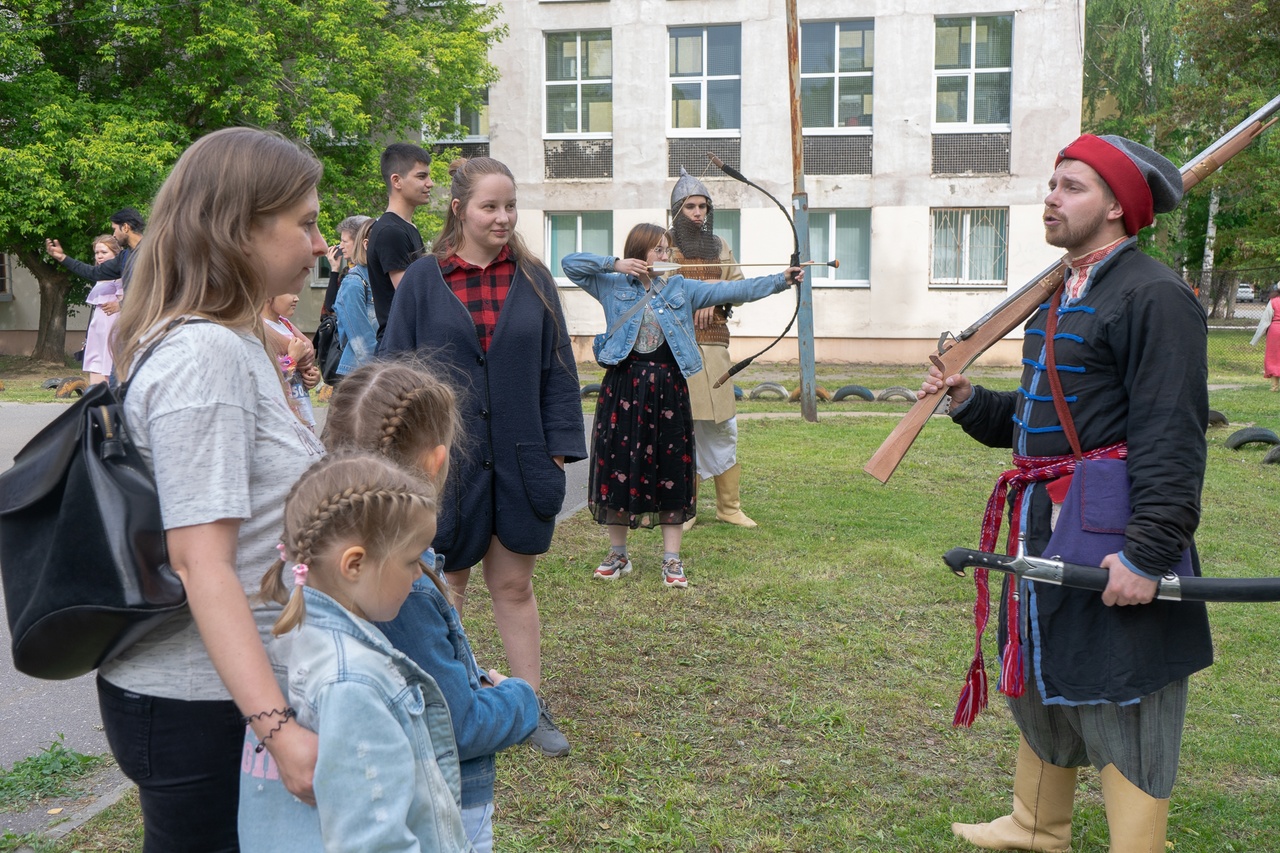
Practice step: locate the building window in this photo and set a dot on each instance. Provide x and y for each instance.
(836, 60)
(6, 288)
(579, 83)
(706, 78)
(973, 71)
(475, 122)
(843, 235)
(970, 246)
(578, 231)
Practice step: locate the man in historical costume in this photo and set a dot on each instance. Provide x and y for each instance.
(715, 425)
(1099, 679)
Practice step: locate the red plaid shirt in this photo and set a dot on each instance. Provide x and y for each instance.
(483, 290)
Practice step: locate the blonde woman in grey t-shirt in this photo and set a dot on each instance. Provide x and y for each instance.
(233, 225)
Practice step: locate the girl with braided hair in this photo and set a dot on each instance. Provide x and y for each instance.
(407, 414)
(355, 527)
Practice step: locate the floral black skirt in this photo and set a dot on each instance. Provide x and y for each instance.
(642, 467)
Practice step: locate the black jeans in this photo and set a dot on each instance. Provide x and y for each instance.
(185, 759)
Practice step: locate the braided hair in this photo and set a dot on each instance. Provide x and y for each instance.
(346, 497)
(398, 409)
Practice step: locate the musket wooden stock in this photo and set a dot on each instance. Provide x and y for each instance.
(955, 356)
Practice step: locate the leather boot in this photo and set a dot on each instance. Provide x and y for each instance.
(1043, 796)
(728, 502)
(1138, 821)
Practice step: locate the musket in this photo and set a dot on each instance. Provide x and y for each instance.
(956, 352)
(1172, 587)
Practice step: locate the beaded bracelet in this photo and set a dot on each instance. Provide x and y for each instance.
(285, 714)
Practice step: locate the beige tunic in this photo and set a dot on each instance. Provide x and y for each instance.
(713, 343)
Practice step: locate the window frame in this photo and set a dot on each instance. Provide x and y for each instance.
(703, 80)
(6, 278)
(967, 250)
(820, 276)
(552, 263)
(577, 83)
(837, 75)
(971, 75)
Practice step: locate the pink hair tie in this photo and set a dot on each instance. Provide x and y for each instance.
(300, 574)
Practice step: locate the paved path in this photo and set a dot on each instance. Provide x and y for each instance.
(33, 712)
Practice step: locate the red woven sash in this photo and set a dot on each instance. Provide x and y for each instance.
(1010, 487)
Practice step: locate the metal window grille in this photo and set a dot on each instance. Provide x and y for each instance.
(465, 149)
(837, 155)
(971, 153)
(970, 246)
(692, 154)
(577, 159)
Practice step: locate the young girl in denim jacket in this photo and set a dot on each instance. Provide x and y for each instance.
(642, 466)
(407, 414)
(387, 769)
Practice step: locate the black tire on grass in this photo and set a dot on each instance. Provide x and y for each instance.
(1273, 456)
(591, 389)
(1216, 418)
(862, 392)
(1251, 435)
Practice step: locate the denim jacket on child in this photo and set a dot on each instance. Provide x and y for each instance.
(673, 307)
(486, 720)
(386, 776)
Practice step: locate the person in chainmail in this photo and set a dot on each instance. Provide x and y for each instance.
(715, 425)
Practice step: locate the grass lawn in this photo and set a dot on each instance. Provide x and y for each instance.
(799, 695)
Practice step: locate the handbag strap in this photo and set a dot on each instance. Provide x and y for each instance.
(146, 354)
(634, 309)
(1055, 381)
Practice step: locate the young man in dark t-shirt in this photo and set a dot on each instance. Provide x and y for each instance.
(394, 241)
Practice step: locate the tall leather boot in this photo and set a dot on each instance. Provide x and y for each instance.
(728, 502)
(1043, 795)
(1138, 821)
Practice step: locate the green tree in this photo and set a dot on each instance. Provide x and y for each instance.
(98, 98)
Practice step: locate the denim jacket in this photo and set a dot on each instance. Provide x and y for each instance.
(486, 720)
(386, 775)
(673, 306)
(357, 322)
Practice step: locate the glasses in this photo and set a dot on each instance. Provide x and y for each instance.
(662, 250)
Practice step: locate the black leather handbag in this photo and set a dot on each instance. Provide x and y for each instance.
(82, 546)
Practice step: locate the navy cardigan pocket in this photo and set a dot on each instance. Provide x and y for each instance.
(544, 480)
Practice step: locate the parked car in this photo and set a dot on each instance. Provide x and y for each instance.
(1244, 293)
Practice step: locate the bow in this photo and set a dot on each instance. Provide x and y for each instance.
(795, 262)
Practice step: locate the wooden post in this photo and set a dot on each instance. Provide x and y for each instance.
(800, 213)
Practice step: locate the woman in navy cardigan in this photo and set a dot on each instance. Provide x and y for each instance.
(483, 309)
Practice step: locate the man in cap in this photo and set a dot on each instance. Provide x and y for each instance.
(715, 425)
(1116, 370)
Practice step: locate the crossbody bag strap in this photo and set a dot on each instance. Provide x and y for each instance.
(634, 309)
(146, 354)
(1055, 381)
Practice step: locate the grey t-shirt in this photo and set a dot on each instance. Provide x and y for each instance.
(208, 412)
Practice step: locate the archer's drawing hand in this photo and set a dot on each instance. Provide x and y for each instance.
(957, 385)
(631, 266)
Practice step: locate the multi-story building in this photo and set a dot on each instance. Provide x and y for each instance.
(929, 133)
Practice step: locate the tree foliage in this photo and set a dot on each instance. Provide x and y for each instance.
(1178, 74)
(98, 98)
